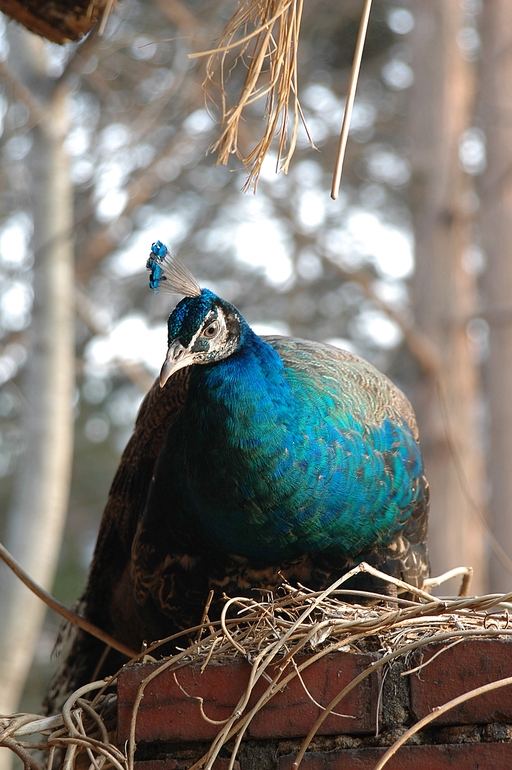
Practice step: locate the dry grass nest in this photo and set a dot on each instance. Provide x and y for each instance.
(271, 633)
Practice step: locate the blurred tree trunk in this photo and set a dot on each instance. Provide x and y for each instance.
(40, 501)
(496, 223)
(445, 294)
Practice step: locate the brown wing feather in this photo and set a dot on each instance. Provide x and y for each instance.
(129, 489)
(108, 598)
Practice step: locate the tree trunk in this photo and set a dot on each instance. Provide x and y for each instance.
(496, 227)
(36, 519)
(445, 297)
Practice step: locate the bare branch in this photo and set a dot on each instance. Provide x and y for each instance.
(55, 605)
(420, 346)
(20, 92)
(27, 759)
(437, 712)
(351, 95)
(135, 372)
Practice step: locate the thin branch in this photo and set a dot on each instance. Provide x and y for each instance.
(371, 669)
(134, 371)
(437, 712)
(351, 95)
(104, 16)
(55, 605)
(22, 94)
(466, 572)
(420, 346)
(270, 634)
(27, 759)
(30, 724)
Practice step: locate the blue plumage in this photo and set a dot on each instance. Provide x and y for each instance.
(279, 467)
(253, 461)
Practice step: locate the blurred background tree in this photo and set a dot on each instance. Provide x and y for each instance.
(124, 112)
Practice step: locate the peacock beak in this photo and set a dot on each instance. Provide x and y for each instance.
(177, 358)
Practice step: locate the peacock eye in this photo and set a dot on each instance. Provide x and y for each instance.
(211, 330)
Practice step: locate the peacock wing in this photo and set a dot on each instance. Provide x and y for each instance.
(108, 598)
(377, 397)
(359, 378)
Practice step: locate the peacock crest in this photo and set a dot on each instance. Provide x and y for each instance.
(170, 275)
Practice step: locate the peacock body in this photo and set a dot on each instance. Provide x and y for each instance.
(253, 460)
(282, 457)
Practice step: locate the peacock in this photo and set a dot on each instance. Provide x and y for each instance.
(254, 460)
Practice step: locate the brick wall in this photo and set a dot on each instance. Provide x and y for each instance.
(172, 732)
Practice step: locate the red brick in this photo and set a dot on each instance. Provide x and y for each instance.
(458, 670)
(169, 713)
(182, 764)
(475, 756)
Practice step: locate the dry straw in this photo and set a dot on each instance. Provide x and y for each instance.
(269, 634)
(266, 35)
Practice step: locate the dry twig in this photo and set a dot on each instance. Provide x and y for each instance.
(270, 634)
(268, 32)
(55, 605)
(266, 35)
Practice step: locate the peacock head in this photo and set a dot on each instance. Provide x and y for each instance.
(203, 328)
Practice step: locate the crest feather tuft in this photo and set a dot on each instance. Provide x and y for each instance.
(170, 275)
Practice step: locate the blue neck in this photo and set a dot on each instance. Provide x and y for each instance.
(249, 380)
(239, 431)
